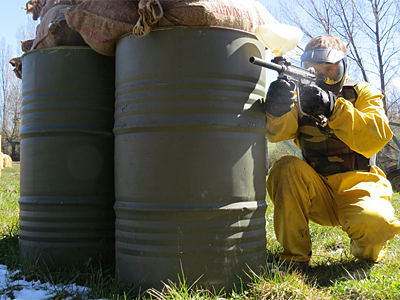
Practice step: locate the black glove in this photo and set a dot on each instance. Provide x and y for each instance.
(279, 97)
(315, 101)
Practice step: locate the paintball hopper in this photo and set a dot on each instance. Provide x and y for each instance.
(280, 38)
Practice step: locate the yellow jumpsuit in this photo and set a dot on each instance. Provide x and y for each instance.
(357, 201)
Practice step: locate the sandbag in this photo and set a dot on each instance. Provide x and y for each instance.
(16, 62)
(245, 15)
(49, 4)
(27, 45)
(53, 30)
(35, 7)
(38, 8)
(102, 23)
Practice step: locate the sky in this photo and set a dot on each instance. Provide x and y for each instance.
(12, 16)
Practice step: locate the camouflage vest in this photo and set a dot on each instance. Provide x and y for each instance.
(324, 151)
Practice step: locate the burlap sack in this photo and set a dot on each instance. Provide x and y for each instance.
(49, 4)
(245, 15)
(53, 30)
(16, 62)
(38, 8)
(101, 23)
(150, 13)
(35, 7)
(26, 45)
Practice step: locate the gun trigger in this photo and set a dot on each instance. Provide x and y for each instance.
(284, 77)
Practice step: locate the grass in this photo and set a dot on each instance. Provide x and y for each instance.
(335, 274)
(9, 193)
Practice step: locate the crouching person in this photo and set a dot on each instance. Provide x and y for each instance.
(337, 182)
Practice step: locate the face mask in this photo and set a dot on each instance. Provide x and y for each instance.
(330, 65)
(329, 73)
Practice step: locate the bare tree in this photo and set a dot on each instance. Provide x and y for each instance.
(317, 14)
(5, 77)
(25, 32)
(381, 29)
(370, 28)
(11, 92)
(346, 14)
(12, 117)
(393, 93)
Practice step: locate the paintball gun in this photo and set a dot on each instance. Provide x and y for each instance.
(281, 38)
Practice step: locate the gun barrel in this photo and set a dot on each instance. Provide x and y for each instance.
(267, 64)
(297, 72)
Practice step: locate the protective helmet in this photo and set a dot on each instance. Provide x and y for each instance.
(323, 55)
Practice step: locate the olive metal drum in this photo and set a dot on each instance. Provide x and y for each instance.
(67, 156)
(189, 157)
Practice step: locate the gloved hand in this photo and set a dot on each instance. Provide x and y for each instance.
(279, 97)
(315, 101)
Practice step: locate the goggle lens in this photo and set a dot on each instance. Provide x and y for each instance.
(329, 73)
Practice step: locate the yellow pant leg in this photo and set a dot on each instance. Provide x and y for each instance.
(299, 194)
(357, 201)
(365, 211)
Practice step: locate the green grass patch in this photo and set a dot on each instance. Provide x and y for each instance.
(9, 194)
(335, 273)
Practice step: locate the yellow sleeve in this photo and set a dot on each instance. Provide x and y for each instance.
(364, 127)
(282, 128)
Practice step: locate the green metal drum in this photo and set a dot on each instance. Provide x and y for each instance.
(189, 157)
(67, 156)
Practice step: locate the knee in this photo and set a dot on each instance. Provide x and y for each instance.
(378, 213)
(287, 164)
(375, 226)
(376, 219)
(288, 179)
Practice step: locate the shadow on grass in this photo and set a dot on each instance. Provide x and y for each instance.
(9, 248)
(327, 274)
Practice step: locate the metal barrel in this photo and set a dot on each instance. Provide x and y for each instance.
(67, 156)
(189, 157)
